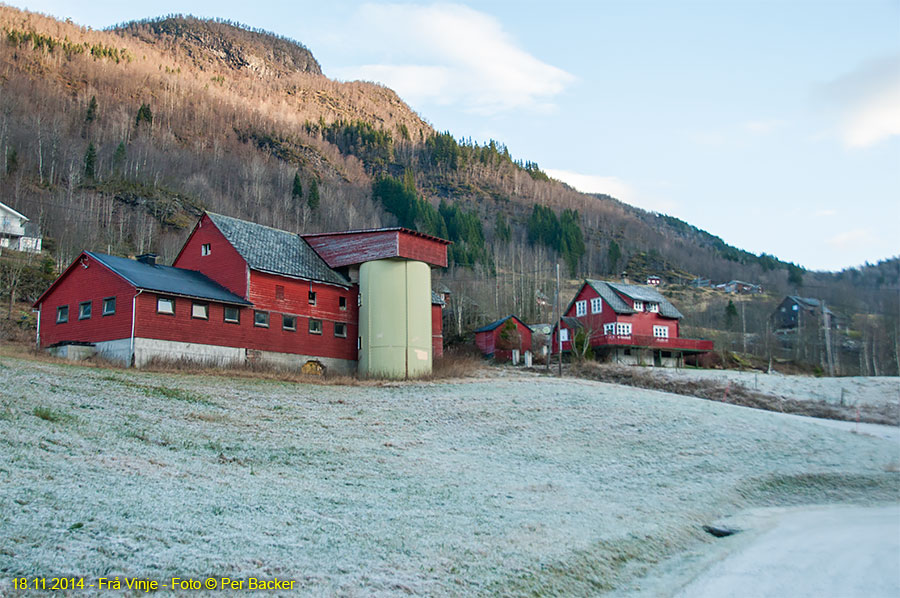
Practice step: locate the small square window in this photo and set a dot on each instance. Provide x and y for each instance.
(205, 249)
(84, 310)
(165, 305)
(200, 311)
(342, 302)
(312, 297)
(340, 329)
(315, 326)
(62, 314)
(261, 319)
(109, 306)
(279, 291)
(232, 315)
(289, 322)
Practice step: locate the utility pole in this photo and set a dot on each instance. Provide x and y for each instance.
(826, 323)
(744, 325)
(558, 321)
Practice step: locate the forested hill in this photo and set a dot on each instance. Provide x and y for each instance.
(116, 140)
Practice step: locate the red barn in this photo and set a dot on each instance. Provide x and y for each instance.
(498, 340)
(237, 292)
(627, 323)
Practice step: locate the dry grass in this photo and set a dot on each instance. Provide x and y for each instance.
(733, 393)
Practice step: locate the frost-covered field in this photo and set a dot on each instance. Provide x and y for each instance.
(849, 391)
(506, 486)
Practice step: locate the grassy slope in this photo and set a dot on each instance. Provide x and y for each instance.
(506, 486)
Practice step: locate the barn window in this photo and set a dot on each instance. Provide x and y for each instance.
(315, 326)
(289, 322)
(261, 319)
(62, 314)
(84, 310)
(205, 249)
(661, 331)
(638, 305)
(109, 306)
(340, 329)
(581, 308)
(312, 297)
(596, 305)
(200, 311)
(232, 315)
(342, 303)
(165, 305)
(279, 291)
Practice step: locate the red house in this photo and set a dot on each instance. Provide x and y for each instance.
(237, 292)
(498, 339)
(627, 323)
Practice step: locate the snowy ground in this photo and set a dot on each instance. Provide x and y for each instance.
(505, 486)
(848, 391)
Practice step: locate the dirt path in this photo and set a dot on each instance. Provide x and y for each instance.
(814, 552)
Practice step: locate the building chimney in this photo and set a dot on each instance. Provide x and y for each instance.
(147, 258)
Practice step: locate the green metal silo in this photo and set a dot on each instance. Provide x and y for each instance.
(395, 318)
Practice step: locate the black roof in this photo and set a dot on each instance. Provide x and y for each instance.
(497, 323)
(168, 280)
(276, 251)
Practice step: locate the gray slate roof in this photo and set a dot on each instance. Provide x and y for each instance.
(610, 293)
(809, 302)
(436, 299)
(168, 280)
(276, 251)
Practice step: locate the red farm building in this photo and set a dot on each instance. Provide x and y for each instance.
(498, 339)
(237, 292)
(627, 323)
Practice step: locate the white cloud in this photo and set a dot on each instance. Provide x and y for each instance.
(869, 101)
(852, 239)
(763, 127)
(827, 213)
(451, 54)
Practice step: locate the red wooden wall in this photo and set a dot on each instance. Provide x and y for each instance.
(78, 284)
(437, 332)
(224, 264)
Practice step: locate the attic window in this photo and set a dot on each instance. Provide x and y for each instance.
(109, 306)
(581, 308)
(312, 297)
(596, 305)
(62, 314)
(638, 305)
(205, 249)
(342, 303)
(653, 308)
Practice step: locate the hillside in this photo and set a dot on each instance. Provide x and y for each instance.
(116, 140)
(505, 486)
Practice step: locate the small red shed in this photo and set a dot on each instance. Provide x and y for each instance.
(498, 339)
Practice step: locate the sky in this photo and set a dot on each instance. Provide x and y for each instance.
(772, 124)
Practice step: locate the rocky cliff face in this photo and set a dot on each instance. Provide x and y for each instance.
(212, 43)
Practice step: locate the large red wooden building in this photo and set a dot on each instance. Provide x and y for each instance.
(237, 292)
(627, 323)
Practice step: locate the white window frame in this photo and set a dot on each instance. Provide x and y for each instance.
(200, 311)
(596, 305)
(623, 328)
(638, 305)
(284, 322)
(107, 301)
(235, 320)
(161, 301)
(85, 314)
(340, 325)
(581, 308)
(660, 332)
(653, 308)
(609, 328)
(564, 335)
(261, 319)
(315, 326)
(205, 249)
(312, 297)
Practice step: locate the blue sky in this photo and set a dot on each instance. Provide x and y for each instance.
(775, 125)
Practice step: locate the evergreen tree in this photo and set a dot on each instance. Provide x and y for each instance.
(614, 255)
(730, 314)
(119, 157)
(12, 160)
(502, 232)
(795, 275)
(91, 113)
(90, 161)
(297, 188)
(313, 199)
(144, 114)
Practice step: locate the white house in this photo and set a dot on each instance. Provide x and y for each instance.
(16, 232)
